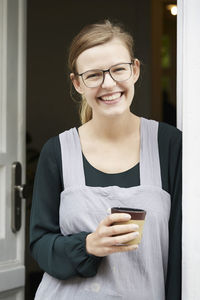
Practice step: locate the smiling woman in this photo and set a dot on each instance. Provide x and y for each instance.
(114, 158)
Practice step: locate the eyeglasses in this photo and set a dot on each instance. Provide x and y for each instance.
(119, 72)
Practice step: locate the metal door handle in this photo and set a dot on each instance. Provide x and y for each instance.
(19, 192)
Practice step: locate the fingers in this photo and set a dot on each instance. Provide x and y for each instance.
(110, 238)
(120, 229)
(109, 220)
(121, 239)
(107, 229)
(115, 249)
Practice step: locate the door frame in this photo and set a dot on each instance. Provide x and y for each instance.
(13, 90)
(188, 116)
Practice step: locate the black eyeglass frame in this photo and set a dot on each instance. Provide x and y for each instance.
(105, 71)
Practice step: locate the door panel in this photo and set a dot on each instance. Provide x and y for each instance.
(12, 142)
(14, 294)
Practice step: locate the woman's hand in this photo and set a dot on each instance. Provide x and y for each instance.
(107, 237)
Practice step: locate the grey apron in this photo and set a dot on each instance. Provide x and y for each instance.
(139, 274)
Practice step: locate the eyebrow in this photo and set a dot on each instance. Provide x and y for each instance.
(99, 69)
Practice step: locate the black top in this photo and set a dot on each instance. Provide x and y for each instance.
(66, 256)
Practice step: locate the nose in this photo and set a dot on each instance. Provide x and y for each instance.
(108, 81)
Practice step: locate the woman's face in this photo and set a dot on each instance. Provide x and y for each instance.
(103, 57)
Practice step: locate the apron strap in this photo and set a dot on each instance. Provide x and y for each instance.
(72, 160)
(150, 173)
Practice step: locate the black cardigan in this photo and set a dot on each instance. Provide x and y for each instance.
(66, 256)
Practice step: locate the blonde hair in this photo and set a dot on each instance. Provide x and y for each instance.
(91, 36)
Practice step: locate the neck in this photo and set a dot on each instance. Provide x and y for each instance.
(115, 129)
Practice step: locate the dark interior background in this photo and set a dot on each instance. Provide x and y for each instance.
(51, 25)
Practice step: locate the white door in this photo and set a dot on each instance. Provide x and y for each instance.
(12, 142)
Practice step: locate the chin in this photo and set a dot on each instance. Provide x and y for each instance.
(115, 112)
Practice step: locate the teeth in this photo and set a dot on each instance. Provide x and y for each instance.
(112, 97)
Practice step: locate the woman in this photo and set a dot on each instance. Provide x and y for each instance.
(114, 158)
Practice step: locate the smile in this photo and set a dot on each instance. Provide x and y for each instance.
(113, 98)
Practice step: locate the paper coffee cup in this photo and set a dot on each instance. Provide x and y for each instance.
(137, 217)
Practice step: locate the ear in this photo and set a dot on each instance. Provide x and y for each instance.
(76, 83)
(136, 69)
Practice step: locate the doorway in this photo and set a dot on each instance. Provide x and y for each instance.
(51, 26)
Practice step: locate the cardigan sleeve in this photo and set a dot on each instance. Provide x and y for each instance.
(60, 256)
(170, 147)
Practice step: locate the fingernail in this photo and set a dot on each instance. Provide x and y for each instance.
(109, 211)
(128, 217)
(135, 226)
